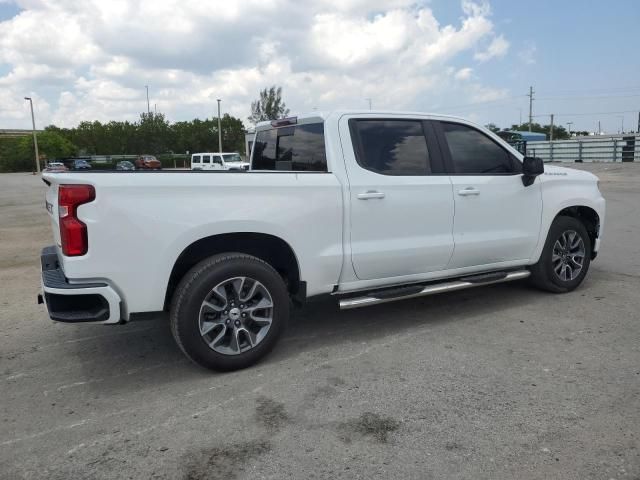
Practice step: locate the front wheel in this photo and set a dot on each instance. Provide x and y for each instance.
(229, 311)
(566, 257)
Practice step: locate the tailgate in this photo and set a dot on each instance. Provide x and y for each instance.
(51, 204)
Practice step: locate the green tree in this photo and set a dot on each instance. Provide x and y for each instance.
(559, 132)
(493, 127)
(269, 106)
(232, 134)
(17, 155)
(153, 133)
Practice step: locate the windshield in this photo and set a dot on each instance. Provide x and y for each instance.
(232, 157)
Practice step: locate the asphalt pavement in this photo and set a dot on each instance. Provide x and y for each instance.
(497, 382)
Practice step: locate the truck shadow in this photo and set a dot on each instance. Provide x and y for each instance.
(144, 354)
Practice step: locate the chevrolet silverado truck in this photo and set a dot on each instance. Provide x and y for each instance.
(368, 207)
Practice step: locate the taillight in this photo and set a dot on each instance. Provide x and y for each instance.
(73, 233)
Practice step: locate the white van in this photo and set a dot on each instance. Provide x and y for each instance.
(218, 161)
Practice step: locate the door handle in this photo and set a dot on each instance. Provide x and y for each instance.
(371, 194)
(468, 191)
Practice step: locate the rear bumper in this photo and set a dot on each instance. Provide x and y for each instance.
(75, 302)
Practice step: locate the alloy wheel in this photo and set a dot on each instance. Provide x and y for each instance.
(236, 315)
(568, 255)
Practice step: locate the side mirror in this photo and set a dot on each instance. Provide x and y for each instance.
(531, 168)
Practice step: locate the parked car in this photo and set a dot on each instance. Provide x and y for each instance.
(125, 165)
(147, 162)
(56, 167)
(218, 161)
(358, 205)
(80, 164)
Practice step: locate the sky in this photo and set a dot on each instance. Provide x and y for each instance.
(91, 59)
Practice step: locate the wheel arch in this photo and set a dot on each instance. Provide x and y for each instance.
(270, 248)
(588, 217)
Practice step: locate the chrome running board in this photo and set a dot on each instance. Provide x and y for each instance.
(412, 291)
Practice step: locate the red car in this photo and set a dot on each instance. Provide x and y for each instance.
(147, 162)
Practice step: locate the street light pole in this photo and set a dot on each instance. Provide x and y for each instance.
(569, 123)
(148, 107)
(35, 138)
(219, 129)
(369, 100)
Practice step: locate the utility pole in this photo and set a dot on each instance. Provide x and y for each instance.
(148, 107)
(600, 129)
(369, 100)
(219, 129)
(638, 122)
(530, 106)
(551, 129)
(35, 138)
(519, 117)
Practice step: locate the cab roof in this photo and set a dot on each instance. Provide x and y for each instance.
(316, 116)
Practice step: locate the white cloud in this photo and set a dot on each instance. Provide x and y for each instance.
(91, 60)
(480, 93)
(464, 74)
(528, 55)
(497, 48)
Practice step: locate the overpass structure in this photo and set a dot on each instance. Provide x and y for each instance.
(16, 132)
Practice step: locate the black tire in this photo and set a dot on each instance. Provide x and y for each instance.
(194, 288)
(543, 275)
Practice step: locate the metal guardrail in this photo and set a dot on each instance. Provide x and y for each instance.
(597, 149)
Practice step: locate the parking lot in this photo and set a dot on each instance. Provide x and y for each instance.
(495, 382)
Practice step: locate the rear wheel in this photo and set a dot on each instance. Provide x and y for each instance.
(229, 311)
(565, 258)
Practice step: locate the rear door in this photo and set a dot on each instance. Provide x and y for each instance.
(206, 162)
(401, 200)
(497, 218)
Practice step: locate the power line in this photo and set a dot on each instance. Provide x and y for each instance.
(499, 100)
(596, 90)
(595, 97)
(585, 114)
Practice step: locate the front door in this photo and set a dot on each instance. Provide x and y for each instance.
(497, 218)
(217, 163)
(401, 201)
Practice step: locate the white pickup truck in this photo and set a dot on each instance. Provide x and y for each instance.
(368, 207)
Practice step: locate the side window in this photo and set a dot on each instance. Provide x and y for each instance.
(391, 147)
(472, 152)
(196, 159)
(217, 160)
(206, 159)
(297, 148)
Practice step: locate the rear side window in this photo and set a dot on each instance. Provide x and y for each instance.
(391, 147)
(206, 159)
(196, 159)
(474, 153)
(298, 148)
